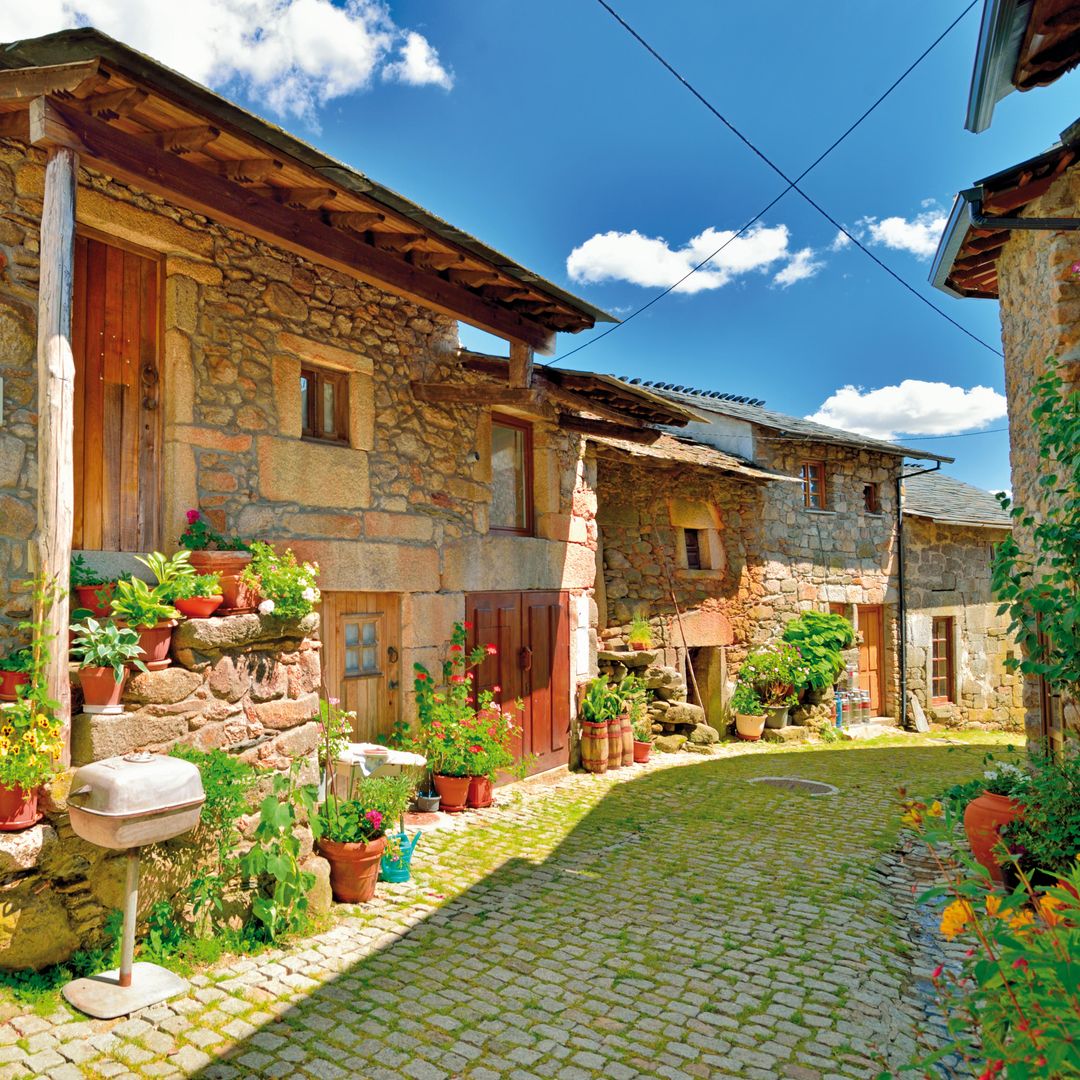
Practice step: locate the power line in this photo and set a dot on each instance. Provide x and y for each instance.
(960, 435)
(791, 184)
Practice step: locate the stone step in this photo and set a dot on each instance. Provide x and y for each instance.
(884, 725)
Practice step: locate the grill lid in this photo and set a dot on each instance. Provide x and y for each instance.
(135, 785)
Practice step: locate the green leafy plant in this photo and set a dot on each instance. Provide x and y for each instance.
(20, 660)
(820, 637)
(599, 703)
(635, 699)
(745, 701)
(375, 804)
(288, 588)
(84, 576)
(1047, 837)
(169, 571)
(106, 645)
(196, 585)
(165, 934)
(201, 536)
(140, 606)
(773, 673)
(640, 631)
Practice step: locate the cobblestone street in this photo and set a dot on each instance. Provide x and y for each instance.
(671, 920)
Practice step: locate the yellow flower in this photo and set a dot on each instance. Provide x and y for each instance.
(936, 809)
(7, 731)
(993, 904)
(1048, 906)
(955, 917)
(1022, 919)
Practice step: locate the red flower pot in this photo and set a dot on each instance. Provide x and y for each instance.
(638, 646)
(983, 819)
(236, 596)
(154, 642)
(96, 598)
(199, 607)
(354, 869)
(101, 691)
(10, 681)
(453, 792)
(479, 792)
(641, 751)
(18, 808)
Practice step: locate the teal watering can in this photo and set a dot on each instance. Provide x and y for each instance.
(396, 867)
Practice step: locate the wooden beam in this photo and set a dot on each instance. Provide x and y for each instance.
(15, 125)
(435, 260)
(473, 277)
(564, 398)
(459, 394)
(185, 140)
(115, 104)
(356, 220)
(131, 159)
(615, 431)
(521, 364)
(48, 127)
(301, 198)
(56, 419)
(247, 171)
(391, 241)
(23, 84)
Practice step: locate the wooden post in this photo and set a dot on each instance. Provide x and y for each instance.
(521, 364)
(56, 416)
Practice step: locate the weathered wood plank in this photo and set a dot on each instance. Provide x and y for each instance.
(454, 394)
(521, 364)
(22, 84)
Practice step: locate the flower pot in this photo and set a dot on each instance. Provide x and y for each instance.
(427, 804)
(614, 743)
(638, 646)
(749, 727)
(627, 739)
(983, 818)
(453, 791)
(10, 681)
(479, 792)
(96, 598)
(154, 642)
(594, 746)
(776, 716)
(642, 751)
(101, 691)
(236, 596)
(198, 607)
(18, 808)
(354, 869)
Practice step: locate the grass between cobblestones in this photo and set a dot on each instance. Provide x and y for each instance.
(671, 921)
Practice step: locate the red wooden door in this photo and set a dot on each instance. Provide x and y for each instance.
(532, 633)
(872, 655)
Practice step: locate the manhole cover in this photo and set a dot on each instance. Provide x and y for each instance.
(793, 783)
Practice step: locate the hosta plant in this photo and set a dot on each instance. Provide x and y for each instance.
(106, 645)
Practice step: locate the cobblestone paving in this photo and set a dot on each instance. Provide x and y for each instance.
(668, 921)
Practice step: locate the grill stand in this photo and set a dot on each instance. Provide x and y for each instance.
(134, 986)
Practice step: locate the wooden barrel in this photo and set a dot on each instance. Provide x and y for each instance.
(627, 740)
(594, 746)
(614, 746)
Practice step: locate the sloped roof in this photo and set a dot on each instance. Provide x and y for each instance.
(950, 501)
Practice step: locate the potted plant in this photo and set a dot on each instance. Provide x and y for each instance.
(640, 636)
(150, 615)
(198, 596)
(632, 693)
(749, 713)
(351, 833)
(93, 589)
(227, 556)
(288, 588)
(15, 669)
(642, 735)
(427, 801)
(773, 673)
(821, 638)
(597, 707)
(104, 651)
(1001, 801)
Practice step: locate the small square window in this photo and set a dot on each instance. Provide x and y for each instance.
(870, 499)
(511, 476)
(813, 478)
(324, 405)
(361, 646)
(692, 539)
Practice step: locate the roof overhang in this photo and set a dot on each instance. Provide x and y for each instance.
(143, 123)
(672, 451)
(998, 526)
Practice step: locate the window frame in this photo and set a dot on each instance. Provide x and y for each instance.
(701, 564)
(806, 469)
(362, 618)
(311, 426)
(948, 638)
(526, 428)
(872, 498)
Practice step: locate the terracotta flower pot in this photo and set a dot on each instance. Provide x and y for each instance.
(642, 751)
(594, 746)
(154, 642)
(101, 691)
(749, 727)
(199, 607)
(96, 598)
(638, 646)
(18, 808)
(10, 681)
(236, 596)
(453, 792)
(983, 819)
(354, 869)
(479, 792)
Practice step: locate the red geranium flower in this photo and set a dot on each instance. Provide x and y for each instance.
(420, 676)
(496, 689)
(457, 678)
(455, 648)
(192, 516)
(491, 650)
(467, 625)
(475, 748)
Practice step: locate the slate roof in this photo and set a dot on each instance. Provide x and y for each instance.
(952, 502)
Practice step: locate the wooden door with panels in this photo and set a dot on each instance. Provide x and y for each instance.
(872, 655)
(361, 636)
(116, 321)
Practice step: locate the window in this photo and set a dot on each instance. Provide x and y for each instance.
(361, 642)
(870, 499)
(324, 404)
(813, 481)
(511, 476)
(942, 681)
(692, 538)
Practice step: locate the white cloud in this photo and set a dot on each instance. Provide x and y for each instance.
(840, 241)
(918, 235)
(915, 407)
(803, 265)
(652, 262)
(295, 55)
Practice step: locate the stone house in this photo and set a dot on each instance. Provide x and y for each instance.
(957, 643)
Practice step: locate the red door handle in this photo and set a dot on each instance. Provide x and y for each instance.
(525, 658)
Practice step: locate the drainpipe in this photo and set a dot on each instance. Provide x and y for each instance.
(902, 584)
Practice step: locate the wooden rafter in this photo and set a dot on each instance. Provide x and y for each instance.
(356, 220)
(483, 394)
(248, 170)
(435, 260)
(24, 84)
(302, 198)
(587, 426)
(392, 241)
(185, 140)
(115, 104)
(473, 277)
(15, 125)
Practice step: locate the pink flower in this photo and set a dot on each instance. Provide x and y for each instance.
(937, 971)
(192, 516)
(496, 689)
(1075, 269)
(374, 819)
(334, 700)
(491, 650)
(1021, 963)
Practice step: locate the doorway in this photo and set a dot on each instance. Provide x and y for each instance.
(872, 655)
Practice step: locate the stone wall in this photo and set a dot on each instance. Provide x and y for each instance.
(1040, 317)
(947, 572)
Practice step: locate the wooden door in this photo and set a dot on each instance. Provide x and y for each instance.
(531, 631)
(872, 655)
(361, 658)
(116, 432)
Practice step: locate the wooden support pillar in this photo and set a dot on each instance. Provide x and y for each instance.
(521, 364)
(56, 416)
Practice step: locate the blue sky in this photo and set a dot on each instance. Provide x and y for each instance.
(540, 127)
